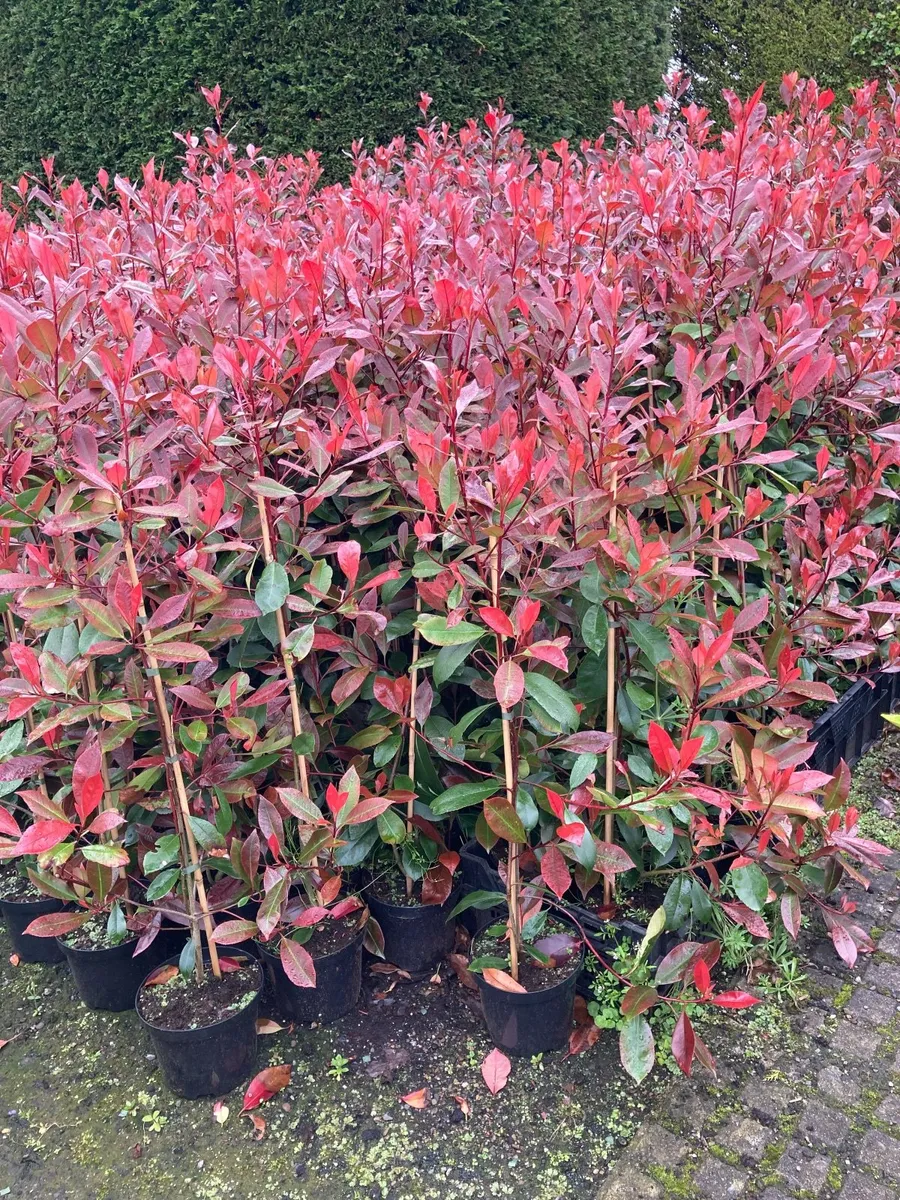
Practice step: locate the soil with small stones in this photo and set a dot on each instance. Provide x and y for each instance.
(92, 935)
(75, 1086)
(391, 889)
(182, 1003)
(327, 938)
(17, 888)
(534, 977)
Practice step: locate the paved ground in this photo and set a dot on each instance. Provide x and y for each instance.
(818, 1115)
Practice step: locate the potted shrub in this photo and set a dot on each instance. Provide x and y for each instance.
(309, 936)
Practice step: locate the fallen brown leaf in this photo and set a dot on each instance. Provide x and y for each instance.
(259, 1126)
(14, 960)
(502, 980)
(416, 1099)
(264, 1026)
(464, 1105)
(460, 966)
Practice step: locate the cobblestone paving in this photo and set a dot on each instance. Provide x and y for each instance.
(822, 1121)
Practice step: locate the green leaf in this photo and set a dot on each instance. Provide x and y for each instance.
(502, 817)
(271, 489)
(463, 795)
(479, 899)
(594, 629)
(677, 901)
(448, 486)
(391, 827)
(477, 965)
(163, 884)
(584, 765)
(300, 641)
(751, 885)
(660, 839)
(655, 926)
(435, 629)
(106, 856)
(651, 641)
(552, 699)
(206, 834)
(386, 751)
(637, 1049)
(165, 852)
(448, 660)
(272, 589)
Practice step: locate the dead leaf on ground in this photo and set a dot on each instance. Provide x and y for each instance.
(392, 1060)
(417, 1099)
(259, 1126)
(137, 1150)
(583, 1038)
(264, 1026)
(495, 1071)
(436, 978)
(389, 969)
(883, 805)
(264, 1085)
(220, 1112)
(14, 960)
(891, 778)
(465, 1106)
(460, 965)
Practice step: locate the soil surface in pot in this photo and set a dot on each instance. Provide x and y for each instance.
(92, 935)
(17, 888)
(533, 976)
(330, 936)
(391, 888)
(182, 1003)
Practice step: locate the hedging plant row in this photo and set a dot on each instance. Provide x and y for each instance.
(535, 499)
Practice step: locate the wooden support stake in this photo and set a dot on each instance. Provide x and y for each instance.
(301, 774)
(609, 818)
(411, 762)
(512, 862)
(182, 812)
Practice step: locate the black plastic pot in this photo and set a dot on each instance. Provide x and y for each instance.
(478, 873)
(17, 916)
(109, 978)
(338, 983)
(209, 1061)
(527, 1023)
(415, 936)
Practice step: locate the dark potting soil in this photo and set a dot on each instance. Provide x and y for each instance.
(92, 935)
(391, 888)
(329, 936)
(14, 886)
(532, 975)
(182, 1003)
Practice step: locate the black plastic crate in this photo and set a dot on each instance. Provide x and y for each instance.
(847, 729)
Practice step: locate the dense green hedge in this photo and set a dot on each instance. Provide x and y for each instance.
(739, 43)
(104, 82)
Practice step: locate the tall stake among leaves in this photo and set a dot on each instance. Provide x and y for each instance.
(194, 886)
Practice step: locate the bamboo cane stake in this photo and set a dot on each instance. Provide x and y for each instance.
(301, 775)
(173, 764)
(512, 883)
(411, 761)
(608, 820)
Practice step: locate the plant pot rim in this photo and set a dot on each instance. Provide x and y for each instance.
(317, 958)
(408, 911)
(88, 950)
(525, 999)
(202, 1028)
(33, 903)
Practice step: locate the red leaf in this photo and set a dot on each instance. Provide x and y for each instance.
(42, 836)
(392, 694)
(662, 748)
(702, 980)
(298, 964)
(348, 558)
(56, 924)
(26, 664)
(496, 619)
(735, 1000)
(555, 871)
(683, 1042)
(437, 885)
(509, 684)
(742, 915)
(417, 1099)
(790, 913)
(495, 1071)
(264, 1085)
